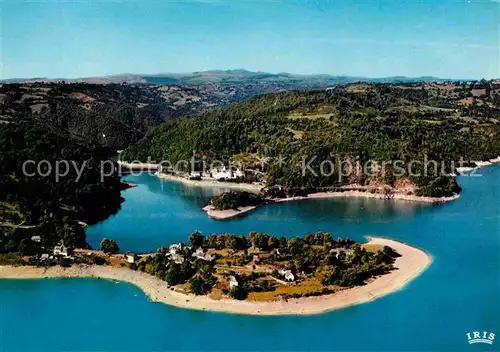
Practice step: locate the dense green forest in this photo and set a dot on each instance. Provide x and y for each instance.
(234, 200)
(34, 203)
(381, 122)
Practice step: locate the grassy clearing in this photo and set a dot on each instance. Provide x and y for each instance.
(296, 134)
(478, 92)
(11, 259)
(358, 88)
(247, 269)
(432, 122)
(373, 248)
(246, 158)
(216, 294)
(308, 286)
(309, 116)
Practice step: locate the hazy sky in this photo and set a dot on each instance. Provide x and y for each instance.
(454, 39)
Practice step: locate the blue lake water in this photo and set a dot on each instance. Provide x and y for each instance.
(459, 293)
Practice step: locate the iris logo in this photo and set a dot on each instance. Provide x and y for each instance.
(480, 337)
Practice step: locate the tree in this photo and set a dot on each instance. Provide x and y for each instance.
(230, 242)
(172, 276)
(220, 242)
(309, 239)
(390, 252)
(109, 246)
(327, 239)
(259, 240)
(11, 246)
(26, 247)
(211, 241)
(185, 272)
(283, 242)
(273, 242)
(332, 275)
(196, 239)
(239, 293)
(196, 286)
(318, 238)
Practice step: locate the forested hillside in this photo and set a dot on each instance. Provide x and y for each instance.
(34, 203)
(383, 122)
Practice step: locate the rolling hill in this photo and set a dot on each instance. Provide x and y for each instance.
(378, 122)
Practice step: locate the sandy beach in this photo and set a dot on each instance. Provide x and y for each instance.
(413, 198)
(138, 166)
(479, 164)
(412, 262)
(483, 163)
(226, 213)
(232, 213)
(464, 169)
(209, 182)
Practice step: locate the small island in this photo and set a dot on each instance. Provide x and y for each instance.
(255, 274)
(232, 204)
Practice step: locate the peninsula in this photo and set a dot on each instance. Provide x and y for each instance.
(308, 275)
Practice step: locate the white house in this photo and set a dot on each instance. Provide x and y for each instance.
(209, 257)
(200, 254)
(227, 174)
(62, 250)
(232, 282)
(131, 258)
(174, 248)
(195, 174)
(219, 173)
(338, 252)
(36, 239)
(177, 258)
(287, 274)
(239, 173)
(44, 256)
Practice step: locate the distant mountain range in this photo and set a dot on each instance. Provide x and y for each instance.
(232, 77)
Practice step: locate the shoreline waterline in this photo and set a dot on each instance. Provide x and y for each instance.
(256, 188)
(367, 194)
(224, 214)
(413, 262)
